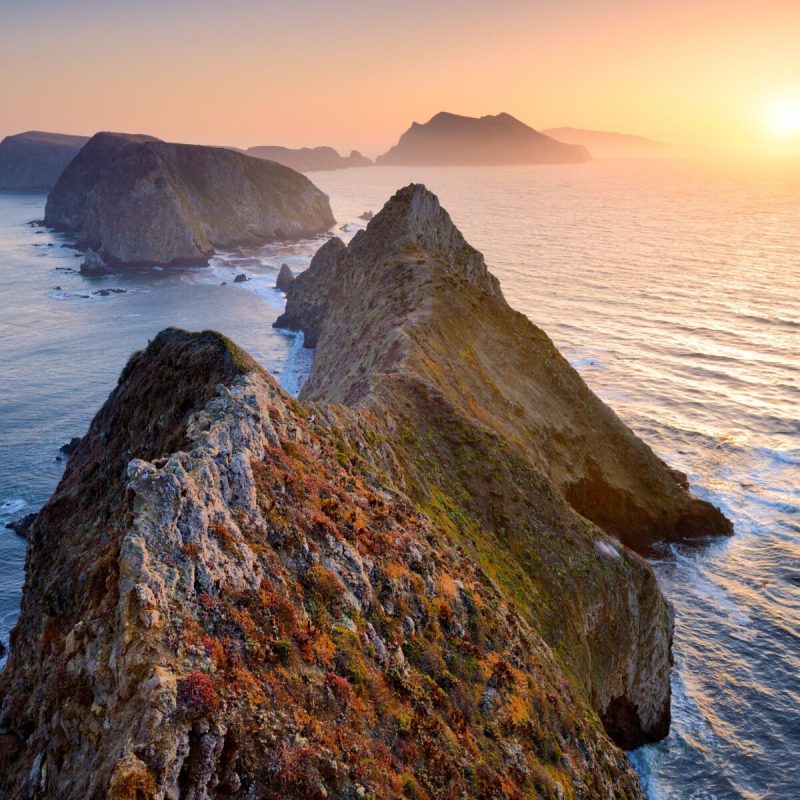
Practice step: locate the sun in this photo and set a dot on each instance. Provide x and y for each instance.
(784, 118)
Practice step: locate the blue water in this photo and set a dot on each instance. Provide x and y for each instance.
(673, 286)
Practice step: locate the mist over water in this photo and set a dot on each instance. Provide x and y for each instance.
(673, 287)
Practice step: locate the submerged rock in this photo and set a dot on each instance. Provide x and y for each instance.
(139, 201)
(241, 278)
(285, 278)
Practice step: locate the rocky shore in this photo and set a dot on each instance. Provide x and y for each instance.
(381, 590)
(135, 200)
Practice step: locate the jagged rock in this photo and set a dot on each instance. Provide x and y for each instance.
(34, 160)
(285, 279)
(240, 278)
(366, 216)
(71, 446)
(139, 201)
(235, 593)
(93, 264)
(309, 159)
(22, 526)
(501, 139)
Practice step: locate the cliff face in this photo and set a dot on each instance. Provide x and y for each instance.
(410, 302)
(229, 596)
(502, 139)
(34, 160)
(309, 159)
(138, 200)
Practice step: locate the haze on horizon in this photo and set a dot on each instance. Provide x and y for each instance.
(243, 73)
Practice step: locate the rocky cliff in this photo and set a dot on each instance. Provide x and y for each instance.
(376, 592)
(138, 200)
(34, 160)
(450, 139)
(309, 159)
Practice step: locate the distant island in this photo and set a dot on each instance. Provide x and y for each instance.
(309, 159)
(609, 143)
(136, 200)
(34, 160)
(450, 139)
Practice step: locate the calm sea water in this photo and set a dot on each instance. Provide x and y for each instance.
(674, 287)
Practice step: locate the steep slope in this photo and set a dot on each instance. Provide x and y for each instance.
(138, 200)
(228, 596)
(34, 160)
(309, 159)
(501, 139)
(409, 303)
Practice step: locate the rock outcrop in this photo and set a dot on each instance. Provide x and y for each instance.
(34, 160)
(230, 596)
(377, 591)
(140, 201)
(450, 139)
(409, 297)
(309, 159)
(285, 279)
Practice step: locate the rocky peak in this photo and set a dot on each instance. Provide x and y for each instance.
(412, 221)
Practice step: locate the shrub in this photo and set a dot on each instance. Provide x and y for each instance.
(197, 694)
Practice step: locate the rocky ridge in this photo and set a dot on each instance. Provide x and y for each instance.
(377, 591)
(135, 200)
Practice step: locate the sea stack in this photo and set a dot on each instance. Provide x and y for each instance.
(136, 200)
(285, 279)
(34, 160)
(451, 139)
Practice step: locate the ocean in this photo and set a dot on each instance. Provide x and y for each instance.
(672, 285)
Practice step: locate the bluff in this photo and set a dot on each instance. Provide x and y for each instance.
(137, 200)
(309, 159)
(451, 139)
(34, 160)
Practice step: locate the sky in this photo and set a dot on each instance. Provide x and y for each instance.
(356, 74)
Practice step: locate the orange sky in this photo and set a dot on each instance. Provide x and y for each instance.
(356, 74)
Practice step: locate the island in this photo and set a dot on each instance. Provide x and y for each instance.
(133, 200)
(451, 139)
(608, 143)
(309, 159)
(415, 580)
(34, 160)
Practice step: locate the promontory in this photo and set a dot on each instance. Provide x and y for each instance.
(388, 588)
(451, 139)
(34, 160)
(136, 200)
